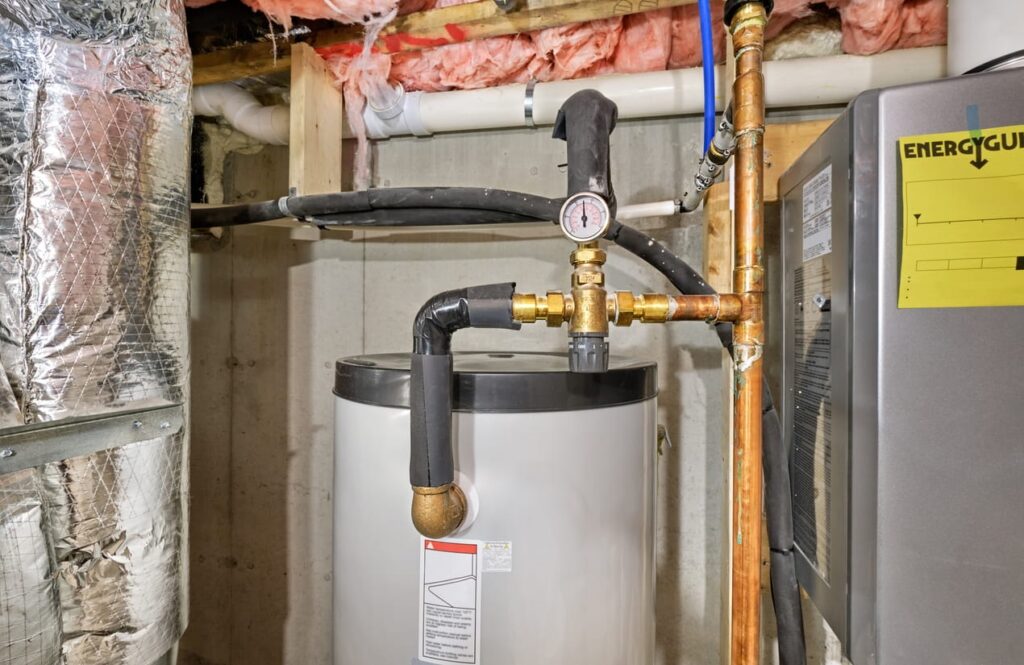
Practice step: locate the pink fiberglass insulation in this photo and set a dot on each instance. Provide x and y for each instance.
(573, 51)
(480, 64)
(646, 42)
(685, 49)
(873, 26)
(477, 64)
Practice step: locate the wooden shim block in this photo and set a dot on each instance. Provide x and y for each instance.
(435, 27)
(718, 254)
(783, 144)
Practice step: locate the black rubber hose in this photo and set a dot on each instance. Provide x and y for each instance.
(479, 198)
(775, 461)
(686, 280)
(779, 511)
(431, 460)
(307, 208)
(585, 122)
(235, 215)
(678, 271)
(410, 217)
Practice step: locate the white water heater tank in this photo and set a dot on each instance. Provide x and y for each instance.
(557, 565)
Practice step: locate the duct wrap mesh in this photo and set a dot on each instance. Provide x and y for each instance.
(94, 137)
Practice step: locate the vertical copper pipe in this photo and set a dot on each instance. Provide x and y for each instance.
(747, 28)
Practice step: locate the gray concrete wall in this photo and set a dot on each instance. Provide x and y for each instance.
(270, 315)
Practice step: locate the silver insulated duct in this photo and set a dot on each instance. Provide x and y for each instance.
(94, 136)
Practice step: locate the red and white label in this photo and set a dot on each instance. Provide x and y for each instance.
(450, 593)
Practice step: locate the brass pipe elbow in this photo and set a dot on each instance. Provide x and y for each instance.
(438, 511)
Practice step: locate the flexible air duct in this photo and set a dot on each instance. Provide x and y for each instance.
(94, 136)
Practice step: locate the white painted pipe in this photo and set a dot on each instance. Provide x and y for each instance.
(644, 210)
(269, 124)
(799, 82)
(985, 34)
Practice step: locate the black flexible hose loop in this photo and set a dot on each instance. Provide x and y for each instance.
(775, 460)
(399, 206)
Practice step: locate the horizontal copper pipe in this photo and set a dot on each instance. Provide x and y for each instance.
(724, 307)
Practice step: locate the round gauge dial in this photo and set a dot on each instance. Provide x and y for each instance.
(585, 217)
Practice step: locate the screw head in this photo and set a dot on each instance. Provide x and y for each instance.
(136, 424)
(6, 452)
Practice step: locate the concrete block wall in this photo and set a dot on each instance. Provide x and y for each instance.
(270, 316)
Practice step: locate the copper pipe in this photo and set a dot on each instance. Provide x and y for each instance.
(747, 29)
(724, 307)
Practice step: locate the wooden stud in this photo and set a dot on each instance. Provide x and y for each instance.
(314, 140)
(314, 144)
(435, 27)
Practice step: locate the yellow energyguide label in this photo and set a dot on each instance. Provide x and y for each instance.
(963, 219)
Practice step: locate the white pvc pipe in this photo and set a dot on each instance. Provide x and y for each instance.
(644, 210)
(793, 83)
(269, 124)
(983, 32)
(789, 83)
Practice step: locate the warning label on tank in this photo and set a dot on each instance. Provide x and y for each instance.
(450, 601)
(817, 215)
(498, 556)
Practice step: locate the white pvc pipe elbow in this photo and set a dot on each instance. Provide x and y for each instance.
(267, 124)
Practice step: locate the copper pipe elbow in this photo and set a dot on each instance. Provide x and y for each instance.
(438, 511)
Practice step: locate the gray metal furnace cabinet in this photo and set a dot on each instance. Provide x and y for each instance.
(905, 427)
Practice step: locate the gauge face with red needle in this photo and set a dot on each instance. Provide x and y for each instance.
(585, 217)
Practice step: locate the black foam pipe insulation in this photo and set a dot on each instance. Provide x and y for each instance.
(431, 460)
(585, 122)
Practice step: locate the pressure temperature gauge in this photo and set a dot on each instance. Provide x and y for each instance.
(585, 217)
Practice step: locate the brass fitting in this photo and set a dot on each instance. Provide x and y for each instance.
(590, 300)
(625, 307)
(438, 511)
(560, 309)
(528, 307)
(621, 308)
(554, 308)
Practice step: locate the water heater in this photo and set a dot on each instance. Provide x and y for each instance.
(903, 401)
(556, 561)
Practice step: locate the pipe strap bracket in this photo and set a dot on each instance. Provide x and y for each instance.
(528, 104)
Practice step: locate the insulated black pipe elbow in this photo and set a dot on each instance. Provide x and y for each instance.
(585, 122)
(431, 462)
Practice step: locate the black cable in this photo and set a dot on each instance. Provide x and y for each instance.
(775, 461)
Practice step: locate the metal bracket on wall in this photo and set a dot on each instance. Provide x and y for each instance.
(32, 445)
